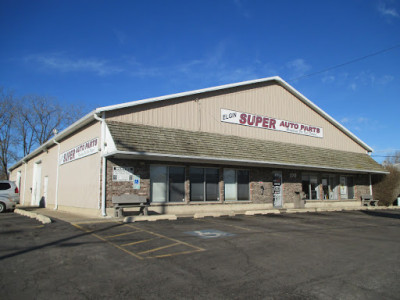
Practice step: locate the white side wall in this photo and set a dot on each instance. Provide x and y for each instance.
(79, 184)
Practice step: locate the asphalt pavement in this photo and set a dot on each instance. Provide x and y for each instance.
(327, 255)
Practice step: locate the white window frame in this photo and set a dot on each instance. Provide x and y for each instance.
(236, 183)
(167, 183)
(204, 185)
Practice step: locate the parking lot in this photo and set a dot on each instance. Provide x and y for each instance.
(327, 255)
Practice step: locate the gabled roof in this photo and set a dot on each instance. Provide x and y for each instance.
(156, 142)
(276, 79)
(93, 115)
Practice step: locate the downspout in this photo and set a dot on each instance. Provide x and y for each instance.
(370, 185)
(57, 174)
(103, 167)
(23, 201)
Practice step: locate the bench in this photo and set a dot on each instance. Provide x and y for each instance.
(368, 200)
(129, 200)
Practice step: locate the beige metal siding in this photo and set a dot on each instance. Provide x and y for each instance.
(202, 112)
(79, 184)
(48, 164)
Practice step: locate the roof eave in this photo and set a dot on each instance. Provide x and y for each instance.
(325, 115)
(174, 157)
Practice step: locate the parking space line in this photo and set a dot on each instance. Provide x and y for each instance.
(174, 254)
(108, 242)
(121, 234)
(138, 255)
(159, 248)
(137, 242)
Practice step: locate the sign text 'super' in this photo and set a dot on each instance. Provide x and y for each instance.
(241, 118)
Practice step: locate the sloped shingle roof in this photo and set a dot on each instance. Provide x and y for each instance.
(150, 139)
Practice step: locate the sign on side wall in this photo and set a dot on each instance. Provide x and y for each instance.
(246, 119)
(136, 182)
(122, 173)
(82, 150)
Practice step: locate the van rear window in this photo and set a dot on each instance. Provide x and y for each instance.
(4, 186)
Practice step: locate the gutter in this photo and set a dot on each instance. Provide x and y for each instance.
(104, 163)
(24, 162)
(237, 161)
(57, 173)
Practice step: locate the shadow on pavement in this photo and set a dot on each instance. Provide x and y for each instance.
(58, 242)
(381, 214)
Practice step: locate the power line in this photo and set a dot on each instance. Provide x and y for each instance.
(348, 62)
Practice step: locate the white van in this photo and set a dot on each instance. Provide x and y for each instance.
(9, 195)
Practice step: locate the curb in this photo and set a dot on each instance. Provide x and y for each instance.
(149, 218)
(216, 214)
(262, 212)
(33, 215)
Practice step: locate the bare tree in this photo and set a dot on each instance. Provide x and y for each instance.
(38, 116)
(7, 139)
(393, 158)
(28, 122)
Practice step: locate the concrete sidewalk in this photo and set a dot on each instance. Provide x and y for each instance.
(81, 218)
(65, 216)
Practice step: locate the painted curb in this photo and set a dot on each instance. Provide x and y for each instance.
(213, 214)
(300, 210)
(149, 218)
(262, 212)
(33, 215)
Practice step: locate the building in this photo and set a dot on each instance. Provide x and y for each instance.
(257, 144)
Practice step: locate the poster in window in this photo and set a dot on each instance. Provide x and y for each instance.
(343, 185)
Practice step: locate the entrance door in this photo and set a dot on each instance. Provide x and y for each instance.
(277, 188)
(43, 201)
(37, 175)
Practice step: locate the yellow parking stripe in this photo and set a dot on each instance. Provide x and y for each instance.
(137, 255)
(137, 242)
(121, 234)
(175, 253)
(108, 242)
(159, 248)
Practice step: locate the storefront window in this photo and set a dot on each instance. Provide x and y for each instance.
(236, 184)
(346, 187)
(158, 178)
(204, 184)
(176, 184)
(310, 186)
(350, 187)
(329, 187)
(167, 183)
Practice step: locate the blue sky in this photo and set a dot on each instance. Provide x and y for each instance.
(100, 53)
